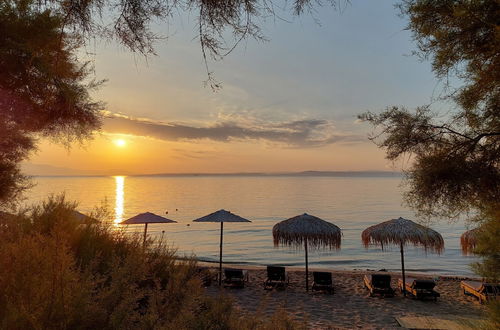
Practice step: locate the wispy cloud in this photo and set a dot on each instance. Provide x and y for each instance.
(305, 133)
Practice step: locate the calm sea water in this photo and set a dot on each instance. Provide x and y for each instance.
(352, 203)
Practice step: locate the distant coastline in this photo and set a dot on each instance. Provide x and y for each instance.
(363, 174)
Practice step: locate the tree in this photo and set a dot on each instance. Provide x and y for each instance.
(44, 90)
(44, 86)
(455, 168)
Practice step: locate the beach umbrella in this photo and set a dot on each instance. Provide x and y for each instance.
(221, 216)
(401, 232)
(468, 241)
(83, 217)
(146, 218)
(309, 231)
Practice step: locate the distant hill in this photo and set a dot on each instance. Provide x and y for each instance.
(291, 174)
(49, 170)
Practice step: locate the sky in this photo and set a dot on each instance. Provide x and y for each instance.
(288, 104)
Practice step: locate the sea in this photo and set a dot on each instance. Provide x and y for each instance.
(352, 201)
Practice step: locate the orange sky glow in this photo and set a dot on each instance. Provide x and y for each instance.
(287, 105)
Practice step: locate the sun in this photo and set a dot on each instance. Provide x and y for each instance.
(120, 143)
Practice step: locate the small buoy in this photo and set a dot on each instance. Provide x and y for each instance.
(188, 225)
(177, 209)
(166, 212)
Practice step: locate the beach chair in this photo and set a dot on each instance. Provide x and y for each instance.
(235, 278)
(482, 291)
(205, 276)
(419, 289)
(379, 284)
(276, 278)
(323, 282)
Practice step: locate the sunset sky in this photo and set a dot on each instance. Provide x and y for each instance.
(289, 104)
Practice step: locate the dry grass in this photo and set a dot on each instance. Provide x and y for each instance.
(59, 273)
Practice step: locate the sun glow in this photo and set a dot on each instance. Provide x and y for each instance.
(120, 143)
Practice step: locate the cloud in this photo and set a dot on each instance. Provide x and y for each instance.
(304, 133)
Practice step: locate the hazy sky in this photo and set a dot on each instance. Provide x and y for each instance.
(289, 104)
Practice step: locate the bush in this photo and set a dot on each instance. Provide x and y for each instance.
(59, 271)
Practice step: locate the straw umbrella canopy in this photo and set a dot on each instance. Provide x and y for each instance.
(468, 241)
(146, 218)
(309, 231)
(221, 216)
(401, 232)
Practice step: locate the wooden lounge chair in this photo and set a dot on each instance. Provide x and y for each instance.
(419, 289)
(276, 278)
(482, 291)
(235, 278)
(323, 282)
(379, 284)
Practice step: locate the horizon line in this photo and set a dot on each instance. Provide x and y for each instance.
(291, 173)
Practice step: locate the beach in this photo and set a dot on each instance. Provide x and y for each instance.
(350, 307)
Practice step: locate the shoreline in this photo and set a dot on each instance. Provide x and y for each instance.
(396, 274)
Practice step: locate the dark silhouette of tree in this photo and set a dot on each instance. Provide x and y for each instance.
(43, 88)
(455, 168)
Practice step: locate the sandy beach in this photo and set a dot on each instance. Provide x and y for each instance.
(350, 307)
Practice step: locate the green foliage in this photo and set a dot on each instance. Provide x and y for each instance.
(44, 90)
(455, 158)
(57, 272)
(463, 38)
(455, 169)
(488, 247)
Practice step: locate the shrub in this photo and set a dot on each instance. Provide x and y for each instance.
(59, 271)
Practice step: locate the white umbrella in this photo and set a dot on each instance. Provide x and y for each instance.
(308, 230)
(146, 218)
(221, 216)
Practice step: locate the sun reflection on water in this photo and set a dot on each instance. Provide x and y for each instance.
(119, 197)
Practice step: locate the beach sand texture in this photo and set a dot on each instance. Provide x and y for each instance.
(350, 307)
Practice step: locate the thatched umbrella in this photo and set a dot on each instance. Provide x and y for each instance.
(146, 218)
(468, 241)
(221, 216)
(401, 232)
(308, 230)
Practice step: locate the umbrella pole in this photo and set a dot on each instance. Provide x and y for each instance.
(307, 266)
(403, 269)
(220, 253)
(145, 231)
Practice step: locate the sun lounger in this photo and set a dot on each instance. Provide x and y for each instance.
(379, 284)
(419, 289)
(323, 282)
(205, 276)
(482, 291)
(235, 278)
(276, 278)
